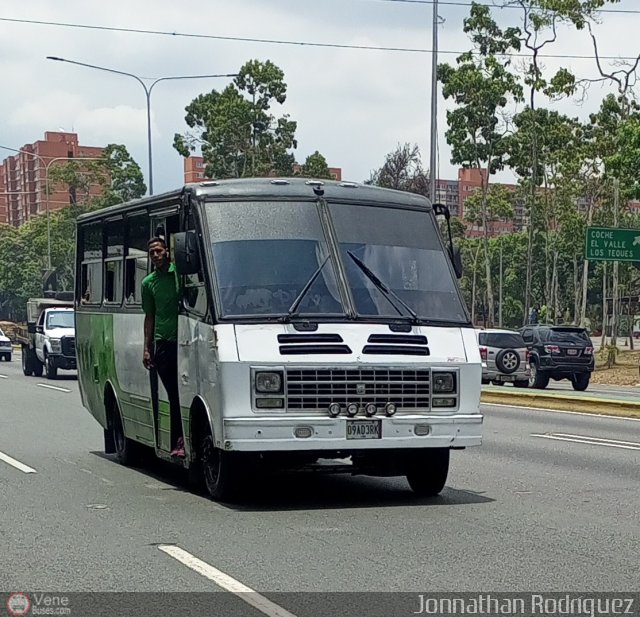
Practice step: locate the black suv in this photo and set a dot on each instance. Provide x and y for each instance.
(559, 352)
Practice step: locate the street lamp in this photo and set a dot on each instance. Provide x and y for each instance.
(147, 91)
(46, 191)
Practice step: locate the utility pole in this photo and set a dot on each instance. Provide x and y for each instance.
(500, 295)
(433, 164)
(614, 282)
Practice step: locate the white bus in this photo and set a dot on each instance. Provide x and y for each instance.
(318, 320)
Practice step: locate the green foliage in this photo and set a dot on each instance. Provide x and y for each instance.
(315, 167)
(24, 251)
(235, 129)
(499, 205)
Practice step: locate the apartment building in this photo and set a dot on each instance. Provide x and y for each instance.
(194, 170)
(24, 177)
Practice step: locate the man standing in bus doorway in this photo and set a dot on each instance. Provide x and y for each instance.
(160, 303)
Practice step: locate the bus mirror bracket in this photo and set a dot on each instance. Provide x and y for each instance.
(186, 252)
(454, 251)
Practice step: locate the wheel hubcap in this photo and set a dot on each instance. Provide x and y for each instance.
(210, 462)
(510, 361)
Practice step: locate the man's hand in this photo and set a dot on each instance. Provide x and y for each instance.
(147, 359)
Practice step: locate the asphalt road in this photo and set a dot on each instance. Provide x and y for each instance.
(550, 502)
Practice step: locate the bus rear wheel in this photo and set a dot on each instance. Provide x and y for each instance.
(125, 448)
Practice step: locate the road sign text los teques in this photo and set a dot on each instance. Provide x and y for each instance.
(612, 244)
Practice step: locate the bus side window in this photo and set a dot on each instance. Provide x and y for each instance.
(114, 236)
(194, 294)
(90, 291)
(137, 259)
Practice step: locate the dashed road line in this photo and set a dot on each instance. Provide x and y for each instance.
(225, 581)
(58, 388)
(590, 441)
(4, 377)
(17, 464)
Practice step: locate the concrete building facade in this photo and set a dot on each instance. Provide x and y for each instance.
(24, 177)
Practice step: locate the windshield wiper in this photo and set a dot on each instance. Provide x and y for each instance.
(388, 293)
(292, 312)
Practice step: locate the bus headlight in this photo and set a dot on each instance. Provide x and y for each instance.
(444, 382)
(269, 382)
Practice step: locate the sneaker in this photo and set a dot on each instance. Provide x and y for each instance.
(179, 449)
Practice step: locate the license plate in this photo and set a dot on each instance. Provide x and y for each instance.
(364, 429)
(572, 352)
(505, 378)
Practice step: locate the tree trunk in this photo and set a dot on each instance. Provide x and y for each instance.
(614, 290)
(576, 290)
(553, 298)
(585, 271)
(473, 286)
(487, 256)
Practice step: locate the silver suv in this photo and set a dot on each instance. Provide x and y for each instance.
(505, 358)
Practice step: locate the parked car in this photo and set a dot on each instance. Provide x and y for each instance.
(559, 352)
(504, 357)
(5, 347)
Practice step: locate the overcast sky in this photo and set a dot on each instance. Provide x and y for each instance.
(354, 106)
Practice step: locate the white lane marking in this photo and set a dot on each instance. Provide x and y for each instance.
(4, 377)
(223, 580)
(573, 413)
(46, 385)
(590, 441)
(17, 464)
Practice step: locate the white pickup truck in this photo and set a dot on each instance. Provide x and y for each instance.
(49, 342)
(5, 347)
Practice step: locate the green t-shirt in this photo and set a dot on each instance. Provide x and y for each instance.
(160, 298)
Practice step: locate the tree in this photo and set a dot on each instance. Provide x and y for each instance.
(235, 129)
(481, 86)
(315, 167)
(402, 170)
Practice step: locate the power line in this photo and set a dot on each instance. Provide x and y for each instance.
(285, 42)
(497, 6)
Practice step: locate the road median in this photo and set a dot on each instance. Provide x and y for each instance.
(563, 402)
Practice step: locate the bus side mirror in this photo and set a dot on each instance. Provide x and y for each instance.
(456, 259)
(186, 252)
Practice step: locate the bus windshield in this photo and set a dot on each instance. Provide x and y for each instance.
(264, 253)
(402, 248)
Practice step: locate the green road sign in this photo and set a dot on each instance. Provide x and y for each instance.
(612, 244)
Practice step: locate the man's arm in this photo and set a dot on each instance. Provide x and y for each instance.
(149, 326)
(149, 308)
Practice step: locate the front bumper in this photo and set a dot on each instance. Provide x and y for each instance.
(63, 362)
(278, 434)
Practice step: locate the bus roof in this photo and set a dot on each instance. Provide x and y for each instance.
(272, 188)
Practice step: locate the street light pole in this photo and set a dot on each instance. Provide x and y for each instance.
(434, 103)
(147, 92)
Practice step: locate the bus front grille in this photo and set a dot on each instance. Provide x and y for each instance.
(316, 389)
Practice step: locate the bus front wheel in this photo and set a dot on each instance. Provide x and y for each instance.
(222, 471)
(428, 472)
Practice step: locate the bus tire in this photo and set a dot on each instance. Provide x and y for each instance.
(428, 471)
(125, 449)
(222, 471)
